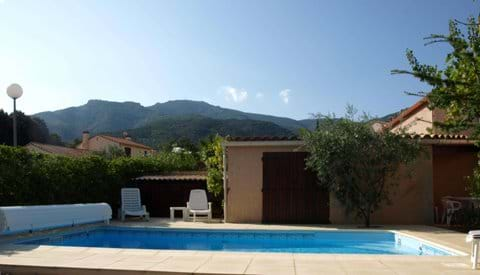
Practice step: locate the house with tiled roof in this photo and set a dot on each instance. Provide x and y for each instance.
(419, 119)
(101, 143)
(270, 171)
(55, 150)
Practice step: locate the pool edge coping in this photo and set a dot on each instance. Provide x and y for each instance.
(434, 244)
(70, 230)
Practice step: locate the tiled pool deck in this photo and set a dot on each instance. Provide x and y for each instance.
(43, 259)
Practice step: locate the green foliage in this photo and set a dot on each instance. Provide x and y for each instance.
(188, 131)
(474, 183)
(355, 163)
(29, 129)
(55, 139)
(27, 178)
(74, 143)
(111, 152)
(128, 167)
(455, 88)
(185, 143)
(212, 155)
(471, 218)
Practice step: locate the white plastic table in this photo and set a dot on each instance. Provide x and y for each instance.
(177, 208)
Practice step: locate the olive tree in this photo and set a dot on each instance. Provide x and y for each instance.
(356, 163)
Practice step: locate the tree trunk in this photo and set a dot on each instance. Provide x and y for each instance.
(367, 219)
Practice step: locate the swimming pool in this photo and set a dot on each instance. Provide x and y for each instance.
(339, 241)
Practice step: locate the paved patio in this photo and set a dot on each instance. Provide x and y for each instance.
(77, 260)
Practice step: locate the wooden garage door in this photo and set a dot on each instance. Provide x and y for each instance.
(290, 192)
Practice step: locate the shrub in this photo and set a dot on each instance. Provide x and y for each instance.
(356, 163)
(29, 178)
(471, 218)
(212, 155)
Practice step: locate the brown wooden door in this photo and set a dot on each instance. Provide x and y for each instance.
(290, 192)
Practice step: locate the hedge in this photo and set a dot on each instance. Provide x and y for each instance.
(33, 179)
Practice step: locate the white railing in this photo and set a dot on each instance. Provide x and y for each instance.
(16, 219)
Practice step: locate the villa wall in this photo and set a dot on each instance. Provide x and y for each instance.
(139, 152)
(99, 144)
(440, 171)
(418, 123)
(244, 198)
(451, 166)
(422, 122)
(412, 199)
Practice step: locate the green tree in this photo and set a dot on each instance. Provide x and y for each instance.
(111, 152)
(55, 139)
(5, 128)
(356, 163)
(456, 87)
(29, 129)
(185, 143)
(211, 154)
(74, 143)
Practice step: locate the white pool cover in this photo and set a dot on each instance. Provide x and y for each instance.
(15, 219)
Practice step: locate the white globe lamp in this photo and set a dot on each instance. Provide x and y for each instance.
(14, 91)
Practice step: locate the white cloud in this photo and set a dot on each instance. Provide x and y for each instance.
(234, 94)
(285, 95)
(259, 95)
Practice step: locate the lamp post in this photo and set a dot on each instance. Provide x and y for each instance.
(14, 91)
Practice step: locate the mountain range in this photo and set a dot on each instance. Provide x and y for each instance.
(165, 121)
(195, 128)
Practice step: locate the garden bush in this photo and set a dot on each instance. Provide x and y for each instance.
(30, 179)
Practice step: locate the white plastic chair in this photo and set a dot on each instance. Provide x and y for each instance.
(198, 204)
(450, 207)
(131, 204)
(474, 237)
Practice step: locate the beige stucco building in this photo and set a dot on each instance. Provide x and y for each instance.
(441, 171)
(419, 119)
(244, 176)
(101, 143)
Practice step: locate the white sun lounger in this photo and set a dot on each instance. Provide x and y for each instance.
(132, 205)
(198, 204)
(474, 237)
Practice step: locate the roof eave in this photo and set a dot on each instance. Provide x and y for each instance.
(407, 113)
(466, 142)
(264, 143)
(136, 144)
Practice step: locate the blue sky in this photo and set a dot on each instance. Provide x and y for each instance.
(286, 58)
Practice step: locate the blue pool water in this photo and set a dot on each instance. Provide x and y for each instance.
(342, 241)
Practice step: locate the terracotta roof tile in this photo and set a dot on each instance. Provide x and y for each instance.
(436, 136)
(407, 113)
(188, 175)
(442, 139)
(56, 150)
(263, 138)
(428, 138)
(124, 141)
